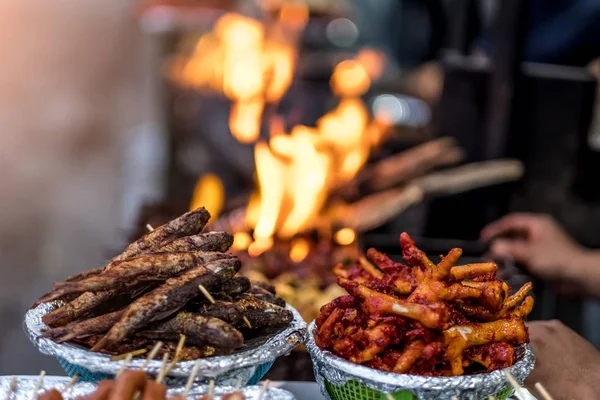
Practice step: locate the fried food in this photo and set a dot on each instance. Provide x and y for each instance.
(153, 293)
(426, 319)
(152, 267)
(169, 298)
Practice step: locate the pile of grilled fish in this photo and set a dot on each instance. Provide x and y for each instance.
(173, 280)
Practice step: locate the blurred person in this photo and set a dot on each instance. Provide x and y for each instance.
(73, 83)
(566, 364)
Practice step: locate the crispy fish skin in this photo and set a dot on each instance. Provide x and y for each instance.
(223, 310)
(56, 295)
(236, 286)
(262, 314)
(151, 267)
(211, 241)
(169, 298)
(262, 294)
(92, 326)
(199, 330)
(190, 223)
(77, 308)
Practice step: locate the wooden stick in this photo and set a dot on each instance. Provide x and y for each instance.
(12, 388)
(518, 389)
(389, 396)
(38, 385)
(177, 353)
(190, 380)
(238, 385)
(454, 398)
(211, 388)
(149, 227)
(247, 322)
(206, 294)
(72, 382)
(152, 354)
(125, 364)
(263, 390)
(491, 398)
(124, 355)
(542, 390)
(160, 376)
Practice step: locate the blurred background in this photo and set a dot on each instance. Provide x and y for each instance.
(310, 129)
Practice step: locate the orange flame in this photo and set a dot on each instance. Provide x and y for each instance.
(210, 193)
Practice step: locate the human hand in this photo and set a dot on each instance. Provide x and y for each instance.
(566, 364)
(543, 247)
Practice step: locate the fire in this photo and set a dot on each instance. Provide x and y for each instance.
(252, 63)
(210, 193)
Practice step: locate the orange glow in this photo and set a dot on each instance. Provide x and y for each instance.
(350, 78)
(373, 61)
(241, 241)
(345, 236)
(299, 249)
(210, 193)
(244, 120)
(294, 15)
(280, 60)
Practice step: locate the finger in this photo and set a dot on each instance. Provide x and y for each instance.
(127, 384)
(51, 394)
(102, 391)
(518, 222)
(154, 391)
(517, 249)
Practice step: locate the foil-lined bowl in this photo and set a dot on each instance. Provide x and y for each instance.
(340, 379)
(25, 386)
(245, 365)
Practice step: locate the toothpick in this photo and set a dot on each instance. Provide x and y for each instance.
(518, 389)
(38, 385)
(389, 396)
(12, 388)
(152, 354)
(247, 322)
(211, 388)
(538, 386)
(206, 294)
(177, 353)
(238, 385)
(454, 398)
(125, 363)
(263, 390)
(149, 227)
(71, 383)
(491, 398)
(124, 355)
(160, 376)
(191, 378)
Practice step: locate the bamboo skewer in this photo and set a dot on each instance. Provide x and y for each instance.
(38, 385)
(542, 390)
(152, 354)
(191, 378)
(149, 227)
(12, 388)
(206, 294)
(163, 367)
(389, 396)
(125, 364)
(263, 390)
(518, 389)
(211, 388)
(177, 354)
(133, 354)
(70, 384)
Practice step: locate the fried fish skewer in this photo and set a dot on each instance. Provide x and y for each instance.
(152, 267)
(190, 223)
(169, 298)
(78, 307)
(211, 241)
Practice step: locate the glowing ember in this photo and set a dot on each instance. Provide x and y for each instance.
(345, 236)
(299, 249)
(241, 241)
(350, 78)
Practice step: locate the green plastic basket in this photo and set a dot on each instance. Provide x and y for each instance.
(354, 390)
